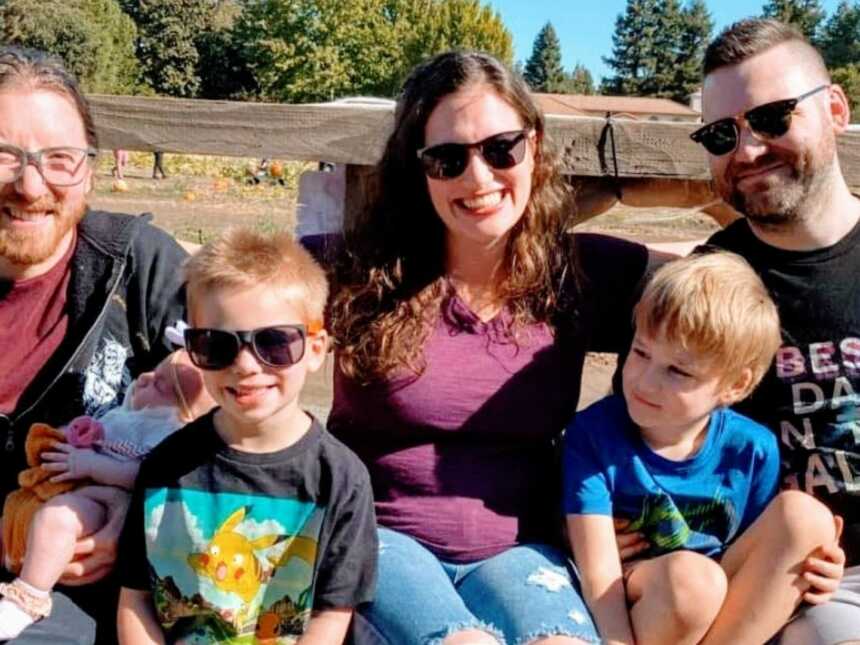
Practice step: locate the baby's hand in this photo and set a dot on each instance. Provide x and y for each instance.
(70, 463)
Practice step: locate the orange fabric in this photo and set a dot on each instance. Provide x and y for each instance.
(22, 504)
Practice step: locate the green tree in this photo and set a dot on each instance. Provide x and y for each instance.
(427, 27)
(806, 15)
(222, 66)
(840, 36)
(633, 48)
(94, 38)
(314, 50)
(695, 34)
(166, 43)
(848, 77)
(658, 47)
(543, 71)
(578, 81)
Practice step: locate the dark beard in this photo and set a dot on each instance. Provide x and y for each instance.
(785, 204)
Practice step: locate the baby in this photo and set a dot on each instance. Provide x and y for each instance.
(103, 451)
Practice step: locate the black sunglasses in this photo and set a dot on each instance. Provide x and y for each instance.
(449, 160)
(217, 349)
(768, 121)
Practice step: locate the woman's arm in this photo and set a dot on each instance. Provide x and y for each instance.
(135, 619)
(327, 626)
(592, 540)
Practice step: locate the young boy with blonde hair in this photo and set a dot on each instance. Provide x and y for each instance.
(252, 522)
(728, 559)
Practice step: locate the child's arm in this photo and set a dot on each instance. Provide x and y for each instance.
(592, 539)
(327, 626)
(135, 620)
(72, 463)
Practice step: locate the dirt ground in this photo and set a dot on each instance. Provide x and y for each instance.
(196, 208)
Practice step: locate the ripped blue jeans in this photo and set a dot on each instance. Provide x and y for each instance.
(518, 596)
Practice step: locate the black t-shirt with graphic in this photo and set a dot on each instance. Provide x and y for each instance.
(241, 545)
(811, 395)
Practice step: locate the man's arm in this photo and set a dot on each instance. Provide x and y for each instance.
(592, 540)
(135, 619)
(95, 554)
(327, 626)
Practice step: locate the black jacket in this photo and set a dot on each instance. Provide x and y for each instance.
(126, 287)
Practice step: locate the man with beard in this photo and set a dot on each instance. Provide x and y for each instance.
(771, 119)
(85, 298)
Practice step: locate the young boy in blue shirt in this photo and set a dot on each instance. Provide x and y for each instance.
(728, 559)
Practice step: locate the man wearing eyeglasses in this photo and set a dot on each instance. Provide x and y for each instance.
(771, 120)
(84, 300)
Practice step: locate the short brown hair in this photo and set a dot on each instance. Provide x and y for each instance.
(242, 258)
(752, 36)
(24, 67)
(714, 304)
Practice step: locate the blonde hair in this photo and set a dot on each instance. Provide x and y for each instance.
(713, 304)
(242, 258)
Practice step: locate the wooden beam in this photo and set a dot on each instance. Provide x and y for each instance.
(356, 134)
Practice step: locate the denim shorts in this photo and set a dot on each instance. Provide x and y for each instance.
(520, 595)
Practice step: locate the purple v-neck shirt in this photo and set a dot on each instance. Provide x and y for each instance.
(462, 458)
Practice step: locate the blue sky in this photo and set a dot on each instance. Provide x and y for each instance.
(585, 26)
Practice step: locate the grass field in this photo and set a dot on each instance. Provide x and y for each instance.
(203, 195)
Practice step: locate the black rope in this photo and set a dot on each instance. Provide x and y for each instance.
(608, 133)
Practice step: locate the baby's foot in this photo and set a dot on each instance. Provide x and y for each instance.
(22, 606)
(13, 620)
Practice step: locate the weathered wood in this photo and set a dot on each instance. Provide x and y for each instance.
(355, 134)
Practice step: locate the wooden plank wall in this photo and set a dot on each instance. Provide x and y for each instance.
(355, 134)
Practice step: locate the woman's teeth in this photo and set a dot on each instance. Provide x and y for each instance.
(483, 201)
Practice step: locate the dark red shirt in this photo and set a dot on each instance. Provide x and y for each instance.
(33, 323)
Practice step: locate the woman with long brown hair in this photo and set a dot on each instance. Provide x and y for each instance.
(462, 318)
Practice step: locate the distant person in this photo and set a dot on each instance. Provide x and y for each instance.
(253, 523)
(120, 161)
(157, 165)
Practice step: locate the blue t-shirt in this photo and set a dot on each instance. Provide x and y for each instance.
(700, 504)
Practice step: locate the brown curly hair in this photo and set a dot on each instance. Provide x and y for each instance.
(392, 279)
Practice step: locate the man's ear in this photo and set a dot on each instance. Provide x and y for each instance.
(840, 109)
(316, 348)
(738, 390)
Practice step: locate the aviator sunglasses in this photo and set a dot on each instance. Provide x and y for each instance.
(768, 121)
(449, 160)
(275, 346)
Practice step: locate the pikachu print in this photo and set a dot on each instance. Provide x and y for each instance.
(232, 568)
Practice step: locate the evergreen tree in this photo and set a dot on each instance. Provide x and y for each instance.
(633, 48)
(806, 15)
(94, 38)
(544, 72)
(696, 30)
(579, 81)
(658, 47)
(840, 36)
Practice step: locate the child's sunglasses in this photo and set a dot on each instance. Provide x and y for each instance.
(449, 160)
(217, 349)
(768, 121)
